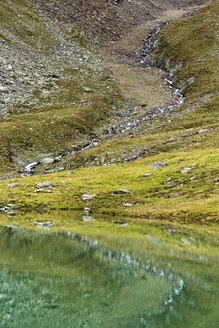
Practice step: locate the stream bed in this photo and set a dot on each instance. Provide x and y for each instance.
(68, 280)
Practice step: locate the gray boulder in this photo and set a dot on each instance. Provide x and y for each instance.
(45, 185)
(157, 165)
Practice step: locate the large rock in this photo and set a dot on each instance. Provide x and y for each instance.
(47, 161)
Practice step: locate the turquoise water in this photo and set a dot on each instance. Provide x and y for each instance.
(66, 280)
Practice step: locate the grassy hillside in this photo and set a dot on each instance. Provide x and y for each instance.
(186, 138)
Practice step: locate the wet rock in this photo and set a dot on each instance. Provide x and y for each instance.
(12, 185)
(45, 185)
(122, 191)
(157, 165)
(87, 197)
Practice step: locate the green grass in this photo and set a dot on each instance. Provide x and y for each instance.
(188, 48)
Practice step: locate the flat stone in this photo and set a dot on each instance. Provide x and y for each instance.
(157, 165)
(45, 185)
(122, 191)
(147, 175)
(176, 195)
(39, 190)
(187, 169)
(87, 197)
(12, 185)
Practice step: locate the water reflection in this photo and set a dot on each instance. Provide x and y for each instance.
(65, 280)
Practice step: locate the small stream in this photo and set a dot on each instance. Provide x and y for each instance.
(128, 123)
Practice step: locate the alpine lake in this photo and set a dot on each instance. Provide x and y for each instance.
(108, 274)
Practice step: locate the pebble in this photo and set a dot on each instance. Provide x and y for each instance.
(127, 205)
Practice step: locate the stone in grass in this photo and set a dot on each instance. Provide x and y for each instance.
(157, 165)
(147, 175)
(38, 191)
(216, 179)
(87, 197)
(187, 169)
(127, 205)
(176, 195)
(45, 185)
(122, 191)
(12, 185)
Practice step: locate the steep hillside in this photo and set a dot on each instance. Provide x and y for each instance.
(53, 89)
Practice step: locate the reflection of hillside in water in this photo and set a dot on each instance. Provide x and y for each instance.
(54, 280)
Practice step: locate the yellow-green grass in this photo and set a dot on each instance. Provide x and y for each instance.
(197, 200)
(140, 86)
